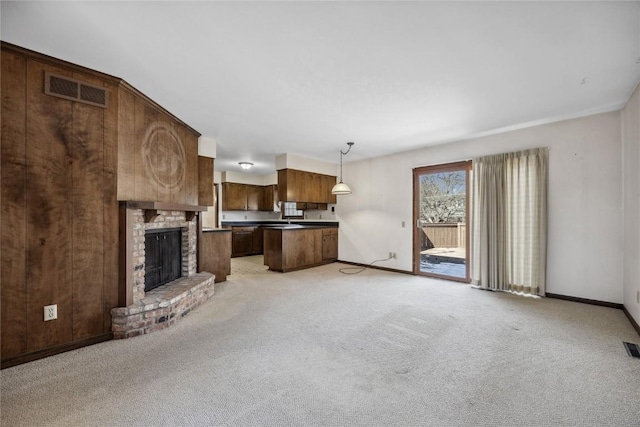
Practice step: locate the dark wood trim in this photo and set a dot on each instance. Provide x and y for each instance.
(163, 206)
(151, 208)
(199, 243)
(598, 303)
(635, 324)
(125, 262)
(465, 165)
(301, 267)
(51, 351)
(466, 280)
(216, 193)
(444, 167)
(377, 267)
(585, 301)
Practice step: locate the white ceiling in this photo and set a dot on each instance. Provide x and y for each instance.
(266, 78)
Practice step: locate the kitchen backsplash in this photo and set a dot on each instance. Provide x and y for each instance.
(248, 216)
(327, 215)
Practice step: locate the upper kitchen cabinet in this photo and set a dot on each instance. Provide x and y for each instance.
(269, 198)
(301, 186)
(205, 181)
(234, 196)
(255, 198)
(248, 197)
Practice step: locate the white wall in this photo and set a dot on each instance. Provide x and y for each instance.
(294, 161)
(247, 178)
(631, 204)
(207, 147)
(585, 202)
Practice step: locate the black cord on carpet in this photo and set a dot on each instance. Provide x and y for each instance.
(344, 270)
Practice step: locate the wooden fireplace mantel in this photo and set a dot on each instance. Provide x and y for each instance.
(151, 208)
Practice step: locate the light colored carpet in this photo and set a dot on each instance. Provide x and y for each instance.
(249, 266)
(317, 347)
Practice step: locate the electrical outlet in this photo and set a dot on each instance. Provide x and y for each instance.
(403, 224)
(50, 312)
(392, 255)
(638, 297)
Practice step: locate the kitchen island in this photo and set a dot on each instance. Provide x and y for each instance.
(290, 247)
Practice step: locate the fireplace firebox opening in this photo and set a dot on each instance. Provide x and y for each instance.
(163, 257)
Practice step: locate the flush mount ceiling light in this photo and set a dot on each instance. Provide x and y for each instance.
(341, 187)
(245, 165)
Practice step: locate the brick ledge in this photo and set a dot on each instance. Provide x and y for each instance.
(162, 307)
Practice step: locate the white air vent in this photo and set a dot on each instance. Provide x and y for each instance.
(75, 90)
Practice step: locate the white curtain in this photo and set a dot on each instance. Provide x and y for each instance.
(510, 221)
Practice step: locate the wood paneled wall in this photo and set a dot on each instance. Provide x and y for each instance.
(64, 167)
(158, 156)
(59, 225)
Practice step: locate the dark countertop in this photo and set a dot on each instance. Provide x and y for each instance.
(295, 226)
(280, 224)
(209, 230)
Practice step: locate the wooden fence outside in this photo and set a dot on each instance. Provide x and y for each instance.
(446, 235)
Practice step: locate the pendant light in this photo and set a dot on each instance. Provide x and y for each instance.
(341, 187)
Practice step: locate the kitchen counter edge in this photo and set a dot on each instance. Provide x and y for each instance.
(314, 224)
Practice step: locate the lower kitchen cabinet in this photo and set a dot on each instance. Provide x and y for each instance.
(288, 249)
(215, 253)
(257, 240)
(329, 244)
(246, 241)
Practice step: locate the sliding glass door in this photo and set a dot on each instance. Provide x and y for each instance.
(441, 210)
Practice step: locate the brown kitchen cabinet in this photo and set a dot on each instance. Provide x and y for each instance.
(308, 206)
(288, 249)
(205, 181)
(307, 187)
(257, 240)
(234, 196)
(248, 197)
(255, 197)
(246, 240)
(241, 241)
(329, 244)
(269, 198)
(215, 253)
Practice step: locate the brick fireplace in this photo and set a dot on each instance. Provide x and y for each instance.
(145, 312)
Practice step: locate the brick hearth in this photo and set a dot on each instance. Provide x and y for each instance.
(161, 307)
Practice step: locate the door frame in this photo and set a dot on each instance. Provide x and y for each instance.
(445, 167)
